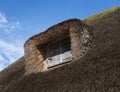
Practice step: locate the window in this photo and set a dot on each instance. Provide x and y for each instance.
(58, 53)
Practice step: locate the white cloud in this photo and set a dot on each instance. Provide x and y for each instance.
(7, 25)
(2, 63)
(9, 46)
(1, 67)
(13, 27)
(3, 18)
(18, 23)
(9, 52)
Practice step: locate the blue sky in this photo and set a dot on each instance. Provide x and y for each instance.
(20, 19)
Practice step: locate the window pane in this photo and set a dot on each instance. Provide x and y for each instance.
(53, 54)
(59, 52)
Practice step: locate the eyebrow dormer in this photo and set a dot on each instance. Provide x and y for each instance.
(61, 43)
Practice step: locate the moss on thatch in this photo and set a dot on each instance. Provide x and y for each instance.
(99, 15)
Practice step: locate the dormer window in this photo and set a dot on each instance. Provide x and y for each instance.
(61, 43)
(57, 53)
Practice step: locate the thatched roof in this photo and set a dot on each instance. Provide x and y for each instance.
(55, 32)
(97, 71)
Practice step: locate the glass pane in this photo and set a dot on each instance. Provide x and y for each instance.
(53, 54)
(66, 50)
(65, 45)
(58, 52)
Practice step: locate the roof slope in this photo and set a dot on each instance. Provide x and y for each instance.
(11, 74)
(97, 71)
(101, 14)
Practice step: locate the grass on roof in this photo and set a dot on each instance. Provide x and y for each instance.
(101, 14)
